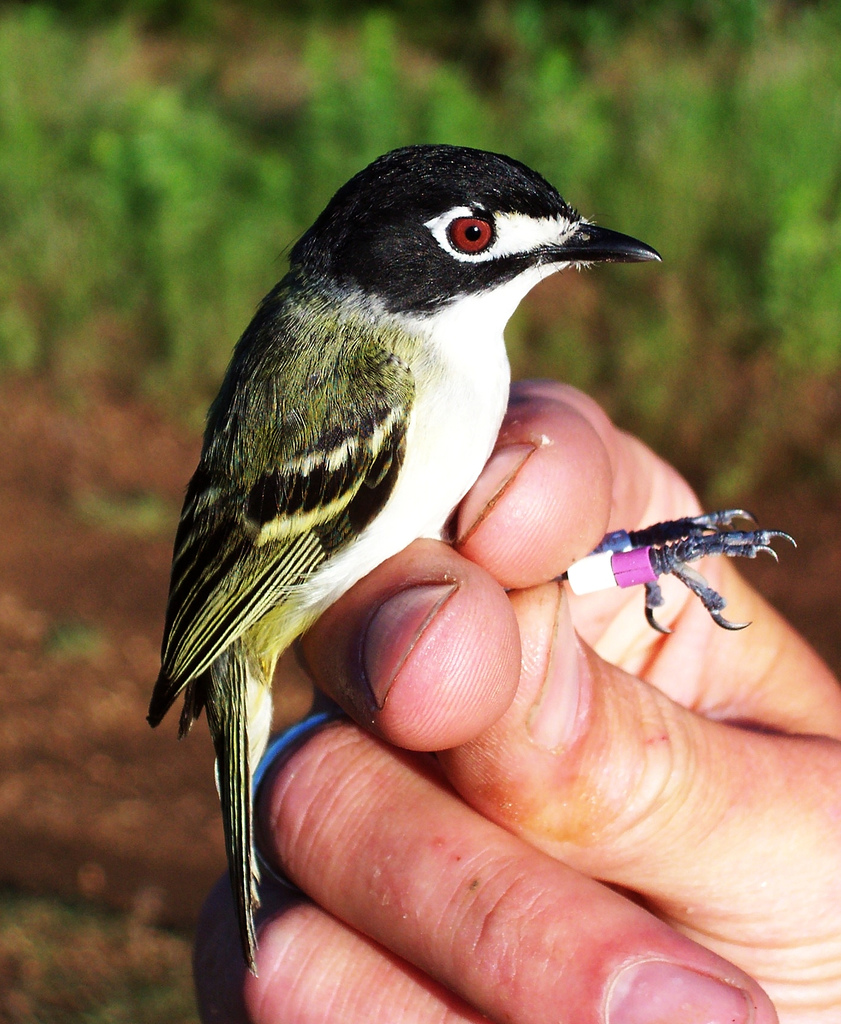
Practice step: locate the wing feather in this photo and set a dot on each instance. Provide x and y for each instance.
(268, 505)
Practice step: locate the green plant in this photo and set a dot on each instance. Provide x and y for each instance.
(144, 212)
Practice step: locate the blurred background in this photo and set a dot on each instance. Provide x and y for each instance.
(157, 160)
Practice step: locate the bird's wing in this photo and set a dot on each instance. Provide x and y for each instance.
(248, 538)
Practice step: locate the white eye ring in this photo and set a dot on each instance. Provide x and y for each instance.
(440, 228)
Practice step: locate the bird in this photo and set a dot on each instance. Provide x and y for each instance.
(360, 405)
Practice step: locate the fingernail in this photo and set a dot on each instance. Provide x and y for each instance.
(552, 719)
(656, 992)
(395, 628)
(494, 480)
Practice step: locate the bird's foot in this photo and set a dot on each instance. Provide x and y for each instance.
(629, 558)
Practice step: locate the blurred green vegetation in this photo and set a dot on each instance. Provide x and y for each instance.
(158, 156)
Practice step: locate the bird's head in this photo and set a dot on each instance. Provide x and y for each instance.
(425, 225)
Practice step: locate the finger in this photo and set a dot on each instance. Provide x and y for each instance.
(604, 772)
(560, 478)
(544, 498)
(424, 650)
(313, 969)
(378, 841)
(557, 503)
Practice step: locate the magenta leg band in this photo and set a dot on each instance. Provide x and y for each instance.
(632, 567)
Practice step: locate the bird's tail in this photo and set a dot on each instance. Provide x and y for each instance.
(231, 696)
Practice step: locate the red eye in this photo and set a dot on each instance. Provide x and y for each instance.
(470, 234)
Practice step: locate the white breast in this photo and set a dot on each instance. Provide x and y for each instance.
(462, 379)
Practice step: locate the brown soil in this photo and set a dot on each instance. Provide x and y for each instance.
(92, 801)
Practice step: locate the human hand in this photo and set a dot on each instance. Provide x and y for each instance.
(706, 792)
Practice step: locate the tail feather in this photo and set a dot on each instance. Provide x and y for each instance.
(195, 695)
(226, 709)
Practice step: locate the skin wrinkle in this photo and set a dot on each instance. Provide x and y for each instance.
(258, 994)
(695, 789)
(462, 901)
(612, 797)
(495, 948)
(392, 887)
(675, 794)
(467, 872)
(467, 922)
(664, 780)
(614, 806)
(786, 992)
(658, 791)
(315, 821)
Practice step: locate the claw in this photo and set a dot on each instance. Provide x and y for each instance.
(724, 517)
(709, 598)
(719, 620)
(649, 618)
(654, 599)
(783, 536)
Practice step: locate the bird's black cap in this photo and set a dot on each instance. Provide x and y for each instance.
(372, 236)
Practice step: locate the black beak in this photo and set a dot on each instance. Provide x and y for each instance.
(592, 244)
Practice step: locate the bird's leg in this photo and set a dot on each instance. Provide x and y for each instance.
(628, 558)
